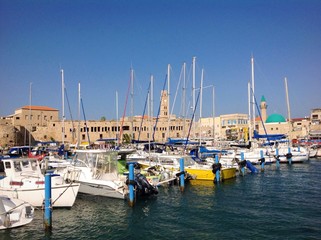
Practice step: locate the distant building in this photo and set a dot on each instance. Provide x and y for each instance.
(41, 123)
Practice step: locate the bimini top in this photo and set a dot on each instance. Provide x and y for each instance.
(275, 118)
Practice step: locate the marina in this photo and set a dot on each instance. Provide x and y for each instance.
(160, 120)
(274, 204)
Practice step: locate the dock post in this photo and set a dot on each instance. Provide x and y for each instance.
(131, 185)
(289, 155)
(218, 171)
(182, 176)
(262, 162)
(243, 167)
(48, 204)
(277, 158)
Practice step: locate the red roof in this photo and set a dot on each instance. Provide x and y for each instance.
(40, 108)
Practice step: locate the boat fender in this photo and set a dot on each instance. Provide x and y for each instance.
(236, 160)
(216, 167)
(242, 163)
(262, 160)
(180, 173)
(136, 166)
(288, 155)
(131, 182)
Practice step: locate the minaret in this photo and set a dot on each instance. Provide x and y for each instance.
(263, 107)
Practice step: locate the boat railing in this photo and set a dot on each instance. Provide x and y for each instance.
(71, 174)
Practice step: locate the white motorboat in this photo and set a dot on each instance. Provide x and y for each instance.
(97, 171)
(51, 162)
(23, 180)
(255, 156)
(14, 212)
(293, 154)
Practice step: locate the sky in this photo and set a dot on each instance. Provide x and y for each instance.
(97, 42)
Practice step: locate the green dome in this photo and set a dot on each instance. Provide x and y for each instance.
(275, 118)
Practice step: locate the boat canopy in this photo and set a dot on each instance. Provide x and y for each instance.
(269, 136)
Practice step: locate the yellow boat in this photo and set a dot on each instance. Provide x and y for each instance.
(208, 175)
(196, 170)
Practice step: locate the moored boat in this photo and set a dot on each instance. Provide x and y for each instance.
(97, 172)
(195, 170)
(24, 180)
(14, 212)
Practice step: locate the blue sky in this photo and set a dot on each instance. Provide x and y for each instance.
(96, 42)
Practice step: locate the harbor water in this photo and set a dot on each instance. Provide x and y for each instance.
(280, 203)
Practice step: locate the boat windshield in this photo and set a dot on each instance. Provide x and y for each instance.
(188, 161)
(175, 160)
(104, 161)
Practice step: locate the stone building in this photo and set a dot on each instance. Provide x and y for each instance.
(39, 123)
(18, 128)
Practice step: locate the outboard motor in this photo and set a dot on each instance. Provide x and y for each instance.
(142, 186)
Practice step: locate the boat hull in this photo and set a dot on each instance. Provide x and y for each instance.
(101, 189)
(14, 213)
(208, 175)
(62, 196)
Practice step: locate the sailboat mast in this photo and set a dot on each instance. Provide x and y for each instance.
(213, 111)
(253, 93)
(168, 99)
(63, 106)
(151, 96)
(132, 102)
(79, 99)
(288, 105)
(117, 117)
(250, 117)
(30, 123)
(193, 88)
(287, 98)
(150, 110)
(201, 104)
(184, 98)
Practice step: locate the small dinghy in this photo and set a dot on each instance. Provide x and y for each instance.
(14, 212)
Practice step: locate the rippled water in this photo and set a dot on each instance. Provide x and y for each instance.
(274, 204)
